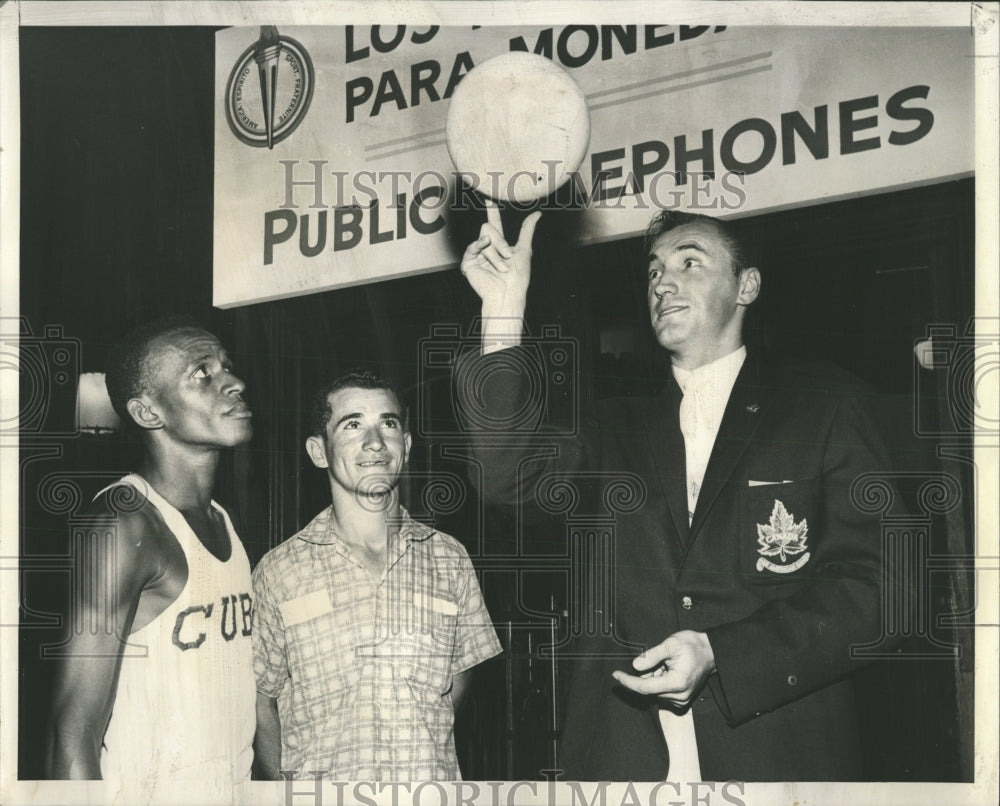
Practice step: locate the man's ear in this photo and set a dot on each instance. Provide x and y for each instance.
(749, 286)
(316, 448)
(142, 411)
(408, 442)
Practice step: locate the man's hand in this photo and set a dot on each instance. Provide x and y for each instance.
(500, 273)
(674, 670)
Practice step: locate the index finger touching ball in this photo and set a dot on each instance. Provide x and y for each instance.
(518, 126)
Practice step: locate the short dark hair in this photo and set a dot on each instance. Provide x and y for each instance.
(129, 365)
(666, 220)
(320, 411)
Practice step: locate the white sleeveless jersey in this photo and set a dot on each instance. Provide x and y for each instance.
(184, 710)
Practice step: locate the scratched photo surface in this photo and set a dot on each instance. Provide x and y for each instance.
(310, 216)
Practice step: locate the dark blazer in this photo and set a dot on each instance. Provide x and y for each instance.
(783, 590)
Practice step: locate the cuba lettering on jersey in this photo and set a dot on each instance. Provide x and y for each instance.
(184, 710)
(194, 624)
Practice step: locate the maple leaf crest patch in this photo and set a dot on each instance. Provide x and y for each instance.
(782, 542)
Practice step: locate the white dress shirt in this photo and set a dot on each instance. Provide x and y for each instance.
(706, 394)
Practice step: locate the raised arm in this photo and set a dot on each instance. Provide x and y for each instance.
(117, 570)
(526, 448)
(500, 273)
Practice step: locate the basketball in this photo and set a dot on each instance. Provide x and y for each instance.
(517, 128)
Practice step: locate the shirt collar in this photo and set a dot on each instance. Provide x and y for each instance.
(722, 372)
(320, 531)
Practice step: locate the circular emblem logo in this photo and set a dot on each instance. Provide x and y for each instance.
(269, 90)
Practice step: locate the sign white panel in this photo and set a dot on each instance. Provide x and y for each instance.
(354, 183)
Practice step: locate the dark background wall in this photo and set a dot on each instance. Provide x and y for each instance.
(117, 172)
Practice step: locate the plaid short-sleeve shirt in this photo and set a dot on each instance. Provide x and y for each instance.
(361, 668)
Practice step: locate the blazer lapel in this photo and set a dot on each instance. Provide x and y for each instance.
(668, 456)
(742, 416)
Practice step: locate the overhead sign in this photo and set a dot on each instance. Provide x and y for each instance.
(332, 169)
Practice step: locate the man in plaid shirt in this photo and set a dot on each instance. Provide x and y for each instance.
(367, 624)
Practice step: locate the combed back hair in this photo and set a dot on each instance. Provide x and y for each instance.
(666, 220)
(320, 411)
(129, 361)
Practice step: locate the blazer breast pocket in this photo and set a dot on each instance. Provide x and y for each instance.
(778, 522)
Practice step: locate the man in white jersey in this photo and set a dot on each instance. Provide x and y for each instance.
(162, 691)
(746, 573)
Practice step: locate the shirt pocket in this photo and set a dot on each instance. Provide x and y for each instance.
(778, 532)
(443, 618)
(315, 633)
(426, 652)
